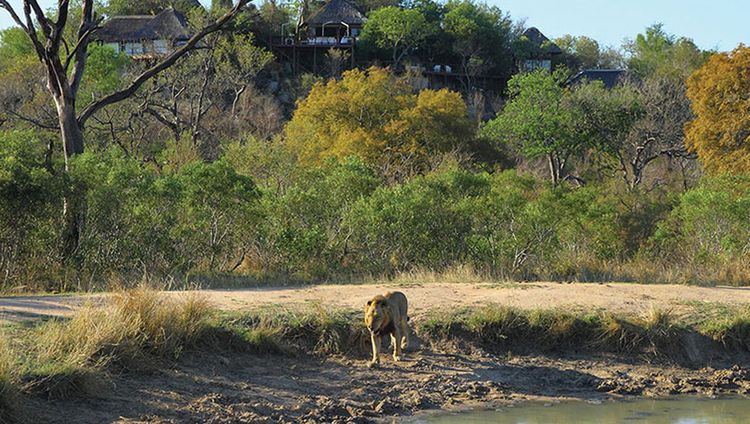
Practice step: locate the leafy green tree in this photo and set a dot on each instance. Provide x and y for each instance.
(582, 52)
(605, 119)
(303, 232)
(438, 45)
(14, 45)
(219, 211)
(720, 132)
(397, 29)
(371, 5)
(658, 52)
(416, 224)
(707, 231)
(537, 122)
(105, 71)
(482, 38)
(29, 194)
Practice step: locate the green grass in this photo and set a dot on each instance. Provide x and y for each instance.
(503, 328)
(302, 329)
(731, 330)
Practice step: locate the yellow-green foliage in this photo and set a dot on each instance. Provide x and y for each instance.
(720, 132)
(375, 115)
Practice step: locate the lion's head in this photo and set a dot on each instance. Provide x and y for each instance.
(377, 313)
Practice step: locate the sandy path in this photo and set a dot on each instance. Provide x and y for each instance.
(618, 297)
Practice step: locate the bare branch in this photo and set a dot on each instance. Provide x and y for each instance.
(5, 5)
(164, 64)
(44, 23)
(83, 40)
(32, 121)
(80, 51)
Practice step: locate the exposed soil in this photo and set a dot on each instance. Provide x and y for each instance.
(245, 388)
(614, 297)
(205, 386)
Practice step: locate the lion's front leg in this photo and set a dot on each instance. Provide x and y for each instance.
(375, 349)
(396, 342)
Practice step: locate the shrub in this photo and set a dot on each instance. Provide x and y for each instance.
(30, 201)
(417, 224)
(302, 233)
(130, 330)
(708, 231)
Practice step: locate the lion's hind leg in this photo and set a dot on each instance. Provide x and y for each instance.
(404, 333)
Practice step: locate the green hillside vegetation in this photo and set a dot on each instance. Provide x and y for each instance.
(228, 164)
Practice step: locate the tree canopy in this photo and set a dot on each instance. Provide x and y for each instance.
(583, 52)
(397, 29)
(658, 52)
(537, 122)
(481, 36)
(720, 95)
(150, 7)
(374, 115)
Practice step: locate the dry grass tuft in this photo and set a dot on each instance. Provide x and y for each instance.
(132, 330)
(8, 383)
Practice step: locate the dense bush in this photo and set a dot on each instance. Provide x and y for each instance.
(342, 220)
(30, 198)
(302, 232)
(709, 231)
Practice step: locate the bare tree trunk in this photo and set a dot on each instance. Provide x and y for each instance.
(72, 134)
(74, 206)
(553, 169)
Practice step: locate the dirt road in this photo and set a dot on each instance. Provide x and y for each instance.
(616, 297)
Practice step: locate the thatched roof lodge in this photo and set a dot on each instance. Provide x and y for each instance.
(336, 22)
(145, 36)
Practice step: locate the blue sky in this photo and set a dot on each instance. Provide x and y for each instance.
(719, 24)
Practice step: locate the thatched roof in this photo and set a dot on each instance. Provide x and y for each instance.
(537, 38)
(337, 11)
(167, 25)
(609, 77)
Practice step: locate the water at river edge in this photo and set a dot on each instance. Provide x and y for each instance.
(682, 410)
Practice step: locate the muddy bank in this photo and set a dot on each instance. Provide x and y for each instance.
(309, 364)
(241, 387)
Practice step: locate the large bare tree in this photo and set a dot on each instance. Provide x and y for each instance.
(65, 65)
(660, 131)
